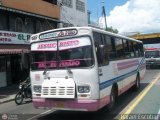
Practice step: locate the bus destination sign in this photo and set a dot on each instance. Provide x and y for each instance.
(56, 34)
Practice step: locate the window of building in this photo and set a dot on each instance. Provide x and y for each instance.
(2, 64)
(51, 1)
(68, 3)
(19, 25)
(80, 5)
(29, 25)
(67, 25)
(3, 20)
(38, 26)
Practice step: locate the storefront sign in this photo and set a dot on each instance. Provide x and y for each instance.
(7, 37)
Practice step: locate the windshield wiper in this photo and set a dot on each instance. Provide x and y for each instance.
(66, 67)
(59, 60)
(46, 67)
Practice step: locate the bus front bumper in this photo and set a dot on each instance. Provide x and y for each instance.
(76, 105)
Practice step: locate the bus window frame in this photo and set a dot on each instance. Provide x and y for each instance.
(52, 39)
(104, 44)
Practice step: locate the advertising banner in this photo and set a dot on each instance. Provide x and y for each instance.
(7, 37)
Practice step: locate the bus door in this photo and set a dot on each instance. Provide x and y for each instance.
(103, 61)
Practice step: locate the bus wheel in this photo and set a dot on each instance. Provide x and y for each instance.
(112, 99)
(137, 84)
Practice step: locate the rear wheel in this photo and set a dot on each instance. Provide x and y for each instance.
(19, 98)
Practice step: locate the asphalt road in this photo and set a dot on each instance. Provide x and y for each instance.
(149, 104)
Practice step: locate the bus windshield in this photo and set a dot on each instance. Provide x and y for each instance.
(154, 54)
(69, 54)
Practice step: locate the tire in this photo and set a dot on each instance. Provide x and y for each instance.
(19, 98)
(137, 84)
(111, 105)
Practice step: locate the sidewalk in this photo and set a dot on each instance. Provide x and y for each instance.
(8, 93)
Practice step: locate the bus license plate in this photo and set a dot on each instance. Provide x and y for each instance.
(60, 105)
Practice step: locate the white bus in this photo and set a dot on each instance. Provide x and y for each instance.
(152, 55)
(83, 68)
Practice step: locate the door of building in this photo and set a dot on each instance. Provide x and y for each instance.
(3, 80)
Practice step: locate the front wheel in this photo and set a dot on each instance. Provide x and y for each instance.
(112, 99)
(19, 98)
(137, 84)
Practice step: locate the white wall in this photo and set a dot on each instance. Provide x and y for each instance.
(74, 16)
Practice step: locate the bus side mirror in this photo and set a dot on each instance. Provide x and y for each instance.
(100, 53)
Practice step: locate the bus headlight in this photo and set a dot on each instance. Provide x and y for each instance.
(37, 88)
(83, 89)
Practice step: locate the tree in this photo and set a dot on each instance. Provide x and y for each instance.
(110, 29)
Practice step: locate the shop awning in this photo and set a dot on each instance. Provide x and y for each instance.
(14, 49)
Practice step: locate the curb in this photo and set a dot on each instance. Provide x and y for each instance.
(10, 98)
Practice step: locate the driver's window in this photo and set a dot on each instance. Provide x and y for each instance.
(100, 40)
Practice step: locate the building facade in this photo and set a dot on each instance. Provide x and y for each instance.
(18, 20)
(73, 13)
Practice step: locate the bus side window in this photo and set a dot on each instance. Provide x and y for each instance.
(97, 38)
(113, 54)
(126, 49)
(141, 49)
(119, 48)
(132, 49)
(101, 50)
(109, 47)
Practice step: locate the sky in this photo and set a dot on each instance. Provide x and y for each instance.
(128, 16)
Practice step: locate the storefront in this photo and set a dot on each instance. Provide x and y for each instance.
(14, 57)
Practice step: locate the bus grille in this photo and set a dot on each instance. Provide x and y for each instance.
(58, 92)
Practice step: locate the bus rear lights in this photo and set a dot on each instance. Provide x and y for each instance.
(37, 88)
(83, 89)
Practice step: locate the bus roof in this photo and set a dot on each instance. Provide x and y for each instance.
(35, 36)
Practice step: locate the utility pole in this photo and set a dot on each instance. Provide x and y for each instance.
(104, 14)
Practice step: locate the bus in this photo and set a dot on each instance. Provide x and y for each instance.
(152, 55)
(83, 68)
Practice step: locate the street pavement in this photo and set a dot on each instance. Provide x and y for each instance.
(8, 93)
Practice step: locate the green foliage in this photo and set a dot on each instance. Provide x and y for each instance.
(110, 29)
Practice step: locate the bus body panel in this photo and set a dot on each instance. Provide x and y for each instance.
(124, 72)
(90, 77)
(78, 76)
